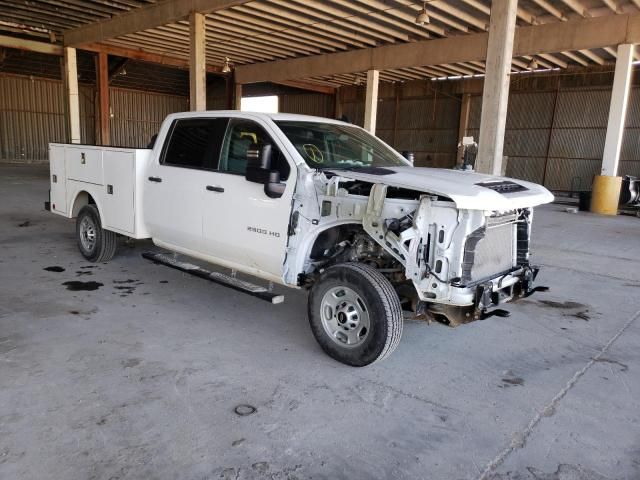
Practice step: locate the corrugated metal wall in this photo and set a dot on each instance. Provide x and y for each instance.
(412, 117)
(317, 104)
(137, 116)
(557, 137)
(555, 129)
(630, 154)
(32, 115)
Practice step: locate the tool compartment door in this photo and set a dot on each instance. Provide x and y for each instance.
(58, 179)
(119, 191)
(84, 164)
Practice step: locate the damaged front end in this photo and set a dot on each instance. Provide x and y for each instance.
(462, 262)
(447, 262)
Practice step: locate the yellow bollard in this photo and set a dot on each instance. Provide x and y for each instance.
(605, 194)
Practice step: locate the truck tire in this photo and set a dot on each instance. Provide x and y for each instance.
(95, 243)
(355, 314)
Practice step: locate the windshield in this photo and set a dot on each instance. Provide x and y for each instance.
(328, 145)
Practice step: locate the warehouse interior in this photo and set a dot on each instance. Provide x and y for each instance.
(548, 138)
(142, 382)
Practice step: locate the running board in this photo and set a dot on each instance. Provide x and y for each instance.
(216, 277)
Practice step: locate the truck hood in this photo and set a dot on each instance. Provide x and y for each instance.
(469, 190)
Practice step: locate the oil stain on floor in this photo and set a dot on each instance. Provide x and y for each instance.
(77, 286)
(126, 287)
(562, 305)
(54, 268)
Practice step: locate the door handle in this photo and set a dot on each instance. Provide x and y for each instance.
(155, 179)
(211, 188)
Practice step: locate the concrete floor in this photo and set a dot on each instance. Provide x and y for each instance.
(139, 378)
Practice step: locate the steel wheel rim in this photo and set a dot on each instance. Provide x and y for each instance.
(87, 234)
(345, 317)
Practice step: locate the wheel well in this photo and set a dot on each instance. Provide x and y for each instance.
(331, 237)
(83, 198)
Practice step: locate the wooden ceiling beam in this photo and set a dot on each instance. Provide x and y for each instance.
(403, 16)
(135, 54)
(167, 11)
(386, 18)
(239, 18)
(547, 6)
(576, 58)
(592, 56)
(579, 34)
(258, 36)
(577, 7)
(320, 21)
(326, 32)
(30, 45)
(416, 7)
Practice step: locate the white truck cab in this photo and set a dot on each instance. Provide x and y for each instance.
(313, 203)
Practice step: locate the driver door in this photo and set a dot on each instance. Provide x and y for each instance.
(241, 224)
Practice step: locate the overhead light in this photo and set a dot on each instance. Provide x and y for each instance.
(423, 16)
(123, 71)
(533, 64)
(226, 68)
(358, 81)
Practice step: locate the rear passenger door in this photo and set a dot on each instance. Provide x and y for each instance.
(176, 182)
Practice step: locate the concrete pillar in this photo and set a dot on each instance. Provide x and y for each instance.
(371, 101)
(606, 186)
(102, 77)
(72, 99)
(465, 108)
(237, 96)
(495, 94)
(197, 62)
(617, 110)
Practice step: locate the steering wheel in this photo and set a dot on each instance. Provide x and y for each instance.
(313, 153)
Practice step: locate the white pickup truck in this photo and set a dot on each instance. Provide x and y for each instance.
(309, 203)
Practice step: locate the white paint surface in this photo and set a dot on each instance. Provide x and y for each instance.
(268, 104)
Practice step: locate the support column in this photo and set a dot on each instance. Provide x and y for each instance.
(72, 99)
(495, 93)
(465, 108)
(197, 62)
(102, 74)
(371, 101)
(606, 186)
(237, 96)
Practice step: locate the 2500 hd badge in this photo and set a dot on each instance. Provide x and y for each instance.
(264, 231)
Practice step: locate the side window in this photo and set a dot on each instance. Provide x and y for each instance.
(195, 143)
(241, 134)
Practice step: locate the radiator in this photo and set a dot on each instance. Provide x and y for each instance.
(494, 252)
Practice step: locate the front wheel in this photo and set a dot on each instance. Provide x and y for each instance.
(355, 314)
(95, 243)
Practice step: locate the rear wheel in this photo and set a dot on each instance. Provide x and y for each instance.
(95, 243)
(355, 314)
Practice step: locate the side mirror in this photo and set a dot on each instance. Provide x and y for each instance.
(259, 170)
(258, 164)
(274, 188)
